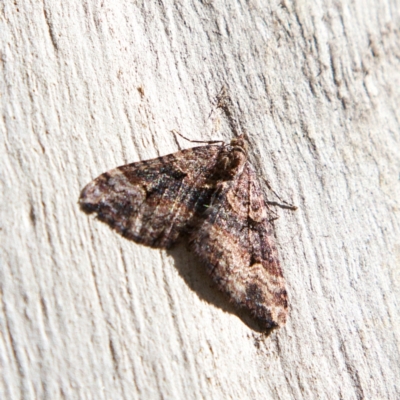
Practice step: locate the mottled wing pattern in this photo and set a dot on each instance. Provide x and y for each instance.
(236, 241)
(152, 202)
(210, 194)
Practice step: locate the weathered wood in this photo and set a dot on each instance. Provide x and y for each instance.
(87, 86)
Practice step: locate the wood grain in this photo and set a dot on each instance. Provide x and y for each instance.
(88, 85)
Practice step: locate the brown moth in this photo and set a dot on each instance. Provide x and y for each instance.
(211, 195)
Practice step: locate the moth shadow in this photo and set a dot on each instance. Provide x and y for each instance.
(194, 274)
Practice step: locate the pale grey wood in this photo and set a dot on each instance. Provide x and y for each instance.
(89, 85)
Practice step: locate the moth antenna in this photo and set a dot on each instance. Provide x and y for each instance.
(174, 131)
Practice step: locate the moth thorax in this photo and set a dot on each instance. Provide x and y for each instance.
(231, 163)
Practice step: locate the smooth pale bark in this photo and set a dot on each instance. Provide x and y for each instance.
(90, 85)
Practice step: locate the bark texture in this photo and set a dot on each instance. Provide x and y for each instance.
(89, 85)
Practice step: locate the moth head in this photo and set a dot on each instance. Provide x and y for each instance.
(239, 144)
(233, 158)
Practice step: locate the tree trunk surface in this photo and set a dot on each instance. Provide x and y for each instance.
(90, 85)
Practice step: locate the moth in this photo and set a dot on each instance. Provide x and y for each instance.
(211, 196)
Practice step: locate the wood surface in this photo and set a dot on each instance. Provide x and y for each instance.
(89, 85)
